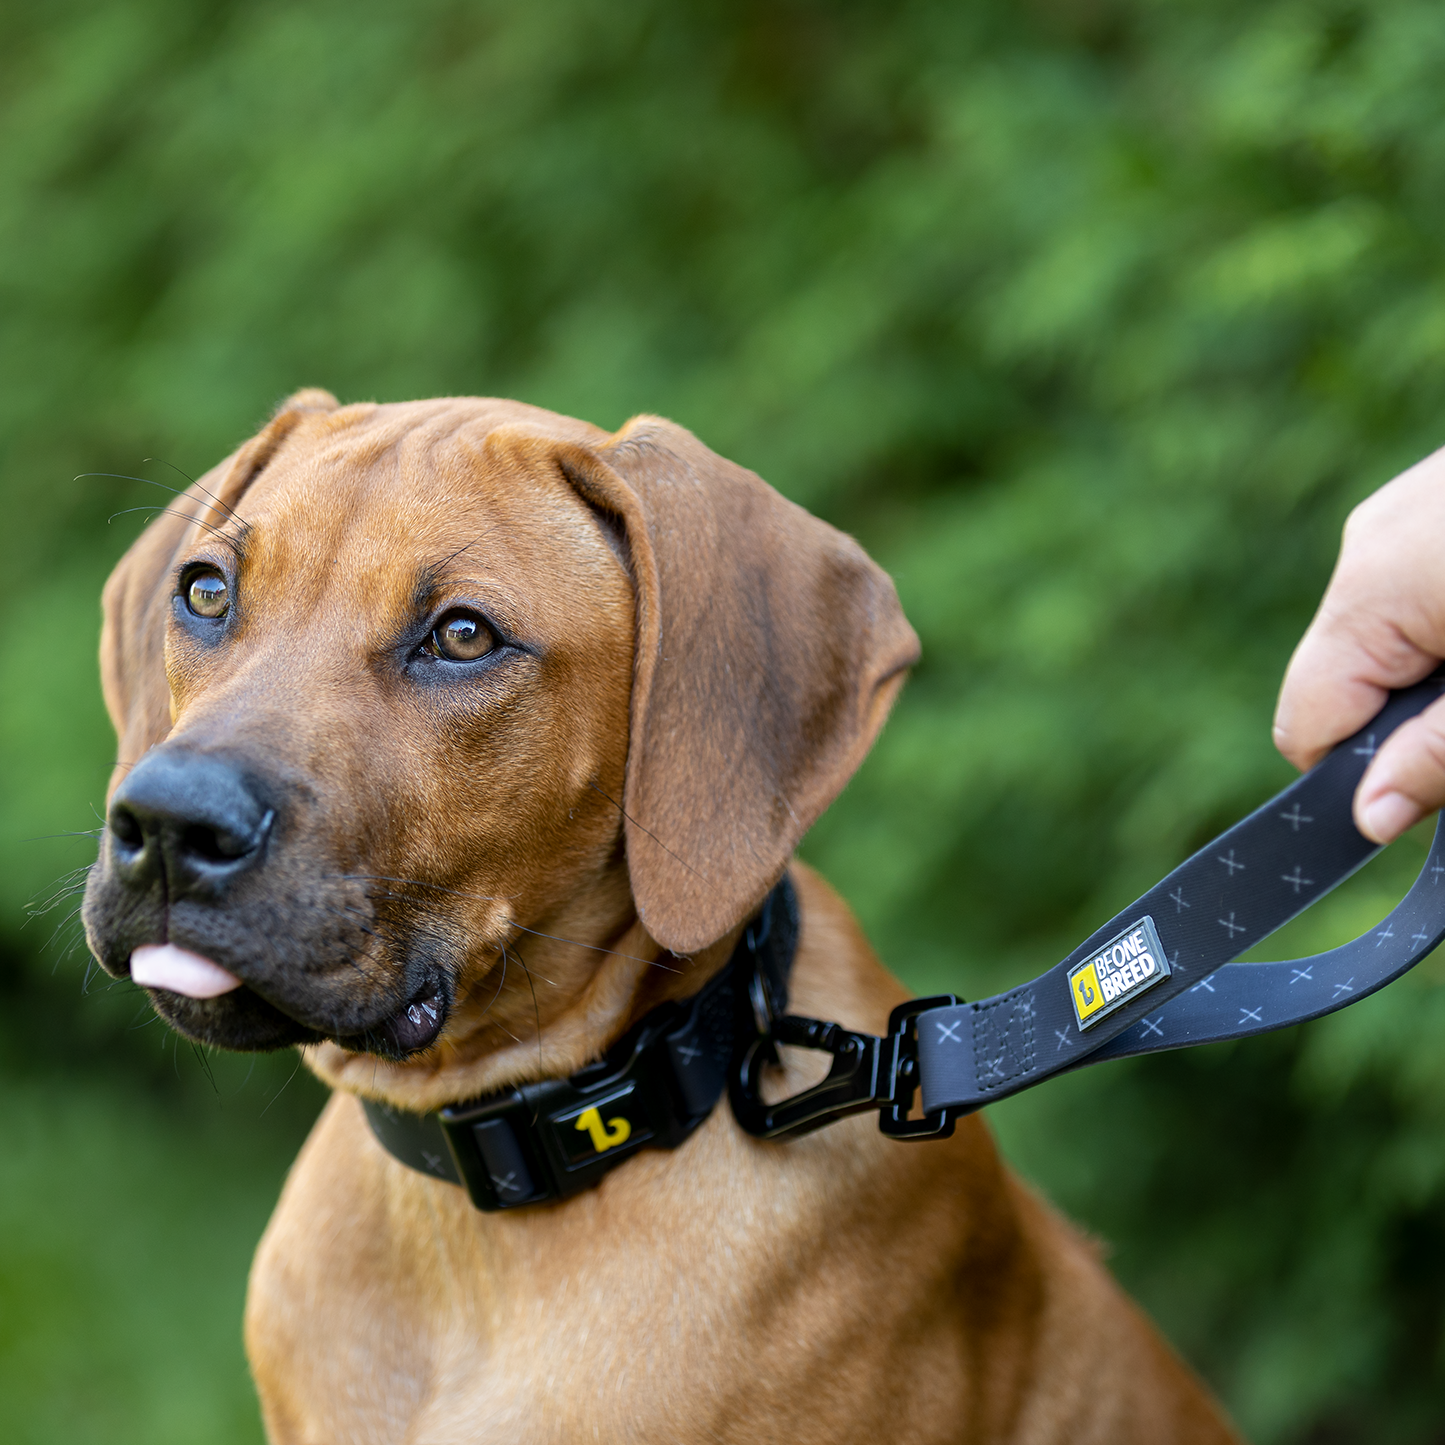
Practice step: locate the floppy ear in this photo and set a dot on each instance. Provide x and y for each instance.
(769, 650)
(136, 599)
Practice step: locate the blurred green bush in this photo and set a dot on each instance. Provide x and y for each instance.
(1091, 318)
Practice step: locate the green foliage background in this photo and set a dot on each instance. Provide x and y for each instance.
(1091, 318)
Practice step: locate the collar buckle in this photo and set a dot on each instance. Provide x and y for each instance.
(556, 1137)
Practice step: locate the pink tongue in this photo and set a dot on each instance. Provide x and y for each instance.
(163, 965)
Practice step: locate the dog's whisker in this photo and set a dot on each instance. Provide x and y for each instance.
(185, 516)
(206, 1069)
(70, 874)
(283, 1087)
(204, 491)
(536, 1009)
(44, 906)
(422, 883)
(137, 1023)
(49, 905)
(350, 958)
(466, 547)
(174, 491)
(338, 913)
(497, 992)
(181, 472)
(360, 960)
(433, 575)
(595, 948)
(650, 834)
(64, 922)
(361, 965)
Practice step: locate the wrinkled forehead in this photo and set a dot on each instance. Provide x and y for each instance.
(384, 518)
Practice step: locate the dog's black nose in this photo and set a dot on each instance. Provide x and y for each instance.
(188, 817)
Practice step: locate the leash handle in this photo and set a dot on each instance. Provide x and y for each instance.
(1242, 999)
(1156, 976)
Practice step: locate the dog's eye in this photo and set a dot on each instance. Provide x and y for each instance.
(461, 637)
(207, 594)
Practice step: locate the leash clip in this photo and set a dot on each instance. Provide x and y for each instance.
(867, 1072)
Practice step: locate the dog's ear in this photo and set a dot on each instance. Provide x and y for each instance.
(769, 650)
(136, 599)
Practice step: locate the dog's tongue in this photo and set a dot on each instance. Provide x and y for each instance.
(163, 965)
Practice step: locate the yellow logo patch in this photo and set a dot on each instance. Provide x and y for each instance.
(1129, 964)
(1088, 996)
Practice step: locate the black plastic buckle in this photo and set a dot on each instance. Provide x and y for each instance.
(557, 1137)
(545, 1141)
(867, 1072)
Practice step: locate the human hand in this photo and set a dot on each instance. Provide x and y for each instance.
(1380, 626)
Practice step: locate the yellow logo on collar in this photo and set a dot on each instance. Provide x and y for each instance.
(1088, 996)
(604, 1136)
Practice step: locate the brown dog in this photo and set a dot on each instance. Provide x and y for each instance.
(436, 690)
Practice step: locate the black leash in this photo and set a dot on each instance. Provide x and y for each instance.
(1157, 976)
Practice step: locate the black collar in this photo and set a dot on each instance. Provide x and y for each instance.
(555, 1137)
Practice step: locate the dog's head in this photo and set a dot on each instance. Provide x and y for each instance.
(404, 691)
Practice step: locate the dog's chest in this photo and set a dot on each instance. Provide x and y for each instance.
(671, 1304)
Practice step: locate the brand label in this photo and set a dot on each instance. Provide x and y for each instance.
(609, 1123)
(603, 1136)
(1129, 964)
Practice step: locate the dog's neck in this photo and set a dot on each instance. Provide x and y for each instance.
(552, 997)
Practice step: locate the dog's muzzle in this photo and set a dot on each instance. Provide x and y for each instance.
(213, 893)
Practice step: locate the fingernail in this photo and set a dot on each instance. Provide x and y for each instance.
(1387, 816)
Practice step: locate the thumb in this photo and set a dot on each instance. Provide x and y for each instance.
(1406, 779)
